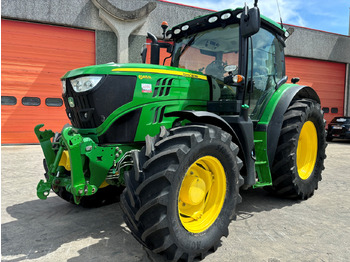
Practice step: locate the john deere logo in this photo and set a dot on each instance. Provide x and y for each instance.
(145, 77)
(71, 102)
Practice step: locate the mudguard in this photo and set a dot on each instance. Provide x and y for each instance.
(240, 129)
(203, 117)
(273, 125)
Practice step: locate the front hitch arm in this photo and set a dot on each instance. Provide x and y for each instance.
(44, 137)
(79, 186)
(89, 163)
(45, 142)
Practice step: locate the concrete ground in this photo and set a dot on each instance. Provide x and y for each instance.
(267, 228)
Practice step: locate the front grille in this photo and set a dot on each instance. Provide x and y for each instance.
(94, 106)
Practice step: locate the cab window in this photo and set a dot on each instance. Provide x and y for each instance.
(268, 69)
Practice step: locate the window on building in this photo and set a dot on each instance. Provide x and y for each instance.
(56, 102)
(8, 100)
(334, 110)
(31, 101)
(325, 109)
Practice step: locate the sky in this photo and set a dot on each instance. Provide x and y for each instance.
(326, 15)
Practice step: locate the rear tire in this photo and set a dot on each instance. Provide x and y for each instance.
(181, 196)
(301, 151)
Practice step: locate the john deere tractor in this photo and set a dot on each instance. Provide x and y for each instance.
(183, 139)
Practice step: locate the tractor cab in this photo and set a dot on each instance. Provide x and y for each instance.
(240, 51)
(242, 55)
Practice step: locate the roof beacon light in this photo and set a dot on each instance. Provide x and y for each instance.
(213, 19)
(164, 27)
(225, 16)
(164, 24)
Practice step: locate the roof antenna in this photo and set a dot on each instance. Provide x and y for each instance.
(279, 13)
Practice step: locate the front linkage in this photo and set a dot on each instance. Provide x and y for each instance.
(78, 164)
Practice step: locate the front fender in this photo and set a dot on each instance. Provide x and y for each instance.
(203, 117)
(240, 129)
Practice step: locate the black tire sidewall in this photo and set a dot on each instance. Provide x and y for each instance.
(190, 241)
(314, 115)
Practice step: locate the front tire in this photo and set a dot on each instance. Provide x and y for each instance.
(301, 150)
(181, 196)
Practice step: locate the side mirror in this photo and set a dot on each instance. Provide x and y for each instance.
(250, 21)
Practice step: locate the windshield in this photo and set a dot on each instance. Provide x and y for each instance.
(208, 52)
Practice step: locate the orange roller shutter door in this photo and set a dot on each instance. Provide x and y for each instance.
(34, 58)
(327, 78)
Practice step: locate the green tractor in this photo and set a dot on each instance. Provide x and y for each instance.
(183, 139)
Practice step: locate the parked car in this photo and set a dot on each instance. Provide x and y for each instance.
(339, 127)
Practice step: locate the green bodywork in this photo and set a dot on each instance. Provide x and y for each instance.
(92, 163)
(187, 93)
(260, 139)
(84, 155)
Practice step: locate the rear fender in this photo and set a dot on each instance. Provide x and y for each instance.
(273, 123)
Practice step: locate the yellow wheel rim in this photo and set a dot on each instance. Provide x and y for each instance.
(307, 150)
(202, 194)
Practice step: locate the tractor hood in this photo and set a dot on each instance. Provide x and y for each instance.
(112, 98)
(114, 68)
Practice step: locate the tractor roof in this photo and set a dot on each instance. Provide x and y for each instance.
(219, 19)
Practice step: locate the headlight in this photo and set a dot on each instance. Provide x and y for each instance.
(85, 83)
(64, 86)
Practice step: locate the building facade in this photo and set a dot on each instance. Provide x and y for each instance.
(41, 40)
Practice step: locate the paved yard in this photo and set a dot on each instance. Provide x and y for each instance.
(267, 228)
